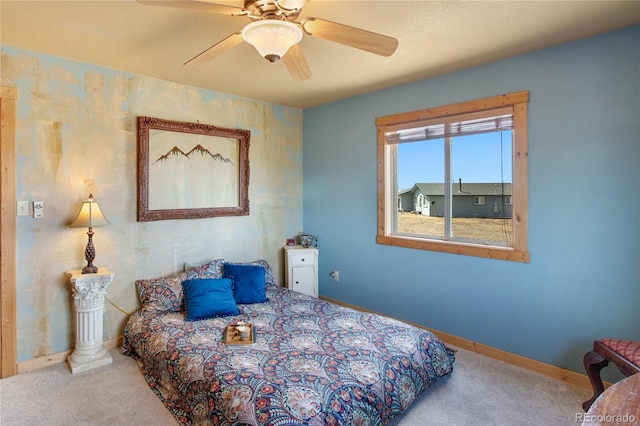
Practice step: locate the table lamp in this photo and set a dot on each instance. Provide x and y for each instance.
(89, 216)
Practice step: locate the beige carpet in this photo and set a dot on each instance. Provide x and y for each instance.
(480, 391)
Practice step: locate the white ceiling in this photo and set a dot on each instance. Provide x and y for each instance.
(435, 37)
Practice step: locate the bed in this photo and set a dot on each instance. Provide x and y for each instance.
(312, 363)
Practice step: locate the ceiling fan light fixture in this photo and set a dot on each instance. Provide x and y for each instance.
(271, 37)
(291, 5)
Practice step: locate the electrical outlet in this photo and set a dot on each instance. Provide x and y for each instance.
(38, 209)
(335, 275)
(23, 208)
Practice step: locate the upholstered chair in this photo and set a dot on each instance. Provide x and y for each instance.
(625, 354)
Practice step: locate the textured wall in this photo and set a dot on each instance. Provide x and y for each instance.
(583, 281)
(76, 134)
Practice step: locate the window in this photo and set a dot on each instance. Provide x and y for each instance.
(478, 201)
(466, 164)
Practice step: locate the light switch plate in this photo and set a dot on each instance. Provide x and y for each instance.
(23, 208)
(38, 209)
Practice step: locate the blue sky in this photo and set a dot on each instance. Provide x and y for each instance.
(475, 158)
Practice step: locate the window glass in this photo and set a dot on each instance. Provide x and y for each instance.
(450, 175)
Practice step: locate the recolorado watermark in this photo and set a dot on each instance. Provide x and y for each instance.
(605, 418)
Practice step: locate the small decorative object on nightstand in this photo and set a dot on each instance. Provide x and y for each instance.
(301, 266)
(88, 295)
(308, 240)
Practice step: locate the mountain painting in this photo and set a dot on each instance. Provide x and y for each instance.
(198, 149)
(191, 171)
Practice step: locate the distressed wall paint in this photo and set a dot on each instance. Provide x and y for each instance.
(583, 281)
(76, 134)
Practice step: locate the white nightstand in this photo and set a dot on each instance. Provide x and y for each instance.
(301, 266)
(88, 294)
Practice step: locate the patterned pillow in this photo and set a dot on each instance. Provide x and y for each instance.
(165, 294)
(212, 269)
(268, 272)
(162, 294)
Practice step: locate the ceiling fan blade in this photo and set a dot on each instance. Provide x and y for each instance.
(222, 46)
(296, 63)
(198, 5)
(351, 36)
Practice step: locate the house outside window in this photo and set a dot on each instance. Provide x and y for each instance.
(454, 210)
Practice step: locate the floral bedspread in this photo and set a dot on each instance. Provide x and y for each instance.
(313, 363)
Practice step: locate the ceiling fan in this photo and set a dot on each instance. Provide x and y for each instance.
(275, 33)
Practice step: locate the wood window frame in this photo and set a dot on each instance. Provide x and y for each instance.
(518, 252)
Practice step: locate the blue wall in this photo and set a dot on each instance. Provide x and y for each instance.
(583, 281)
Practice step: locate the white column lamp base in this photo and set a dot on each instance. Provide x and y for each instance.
(88, 294)
(83, 365)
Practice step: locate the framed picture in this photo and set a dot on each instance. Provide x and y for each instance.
(191, 170)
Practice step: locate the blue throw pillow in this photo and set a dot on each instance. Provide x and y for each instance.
(249, 284)
(208, 298)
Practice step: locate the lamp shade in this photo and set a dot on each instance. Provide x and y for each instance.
(272, 38)
(89, 216)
